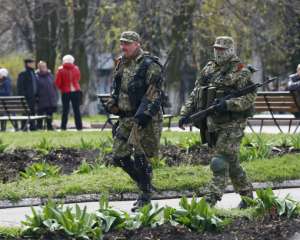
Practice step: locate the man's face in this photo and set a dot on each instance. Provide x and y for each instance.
(129, 49)
(31, 65)
(298, 71)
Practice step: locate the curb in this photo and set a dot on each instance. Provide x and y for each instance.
(94, 197)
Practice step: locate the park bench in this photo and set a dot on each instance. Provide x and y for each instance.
(276, 107)
(15, 109)
(111, 119)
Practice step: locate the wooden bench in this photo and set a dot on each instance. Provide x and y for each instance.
(110, 118)
(15, 109)
(276, 107)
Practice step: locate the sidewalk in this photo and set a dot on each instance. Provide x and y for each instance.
(12, 217)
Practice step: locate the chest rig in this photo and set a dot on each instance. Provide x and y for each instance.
(137, 85)
(218, 83)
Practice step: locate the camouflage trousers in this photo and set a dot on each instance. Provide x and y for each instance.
(225, 164)
(149, 138)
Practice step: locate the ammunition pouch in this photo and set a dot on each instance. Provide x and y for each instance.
(211, 96)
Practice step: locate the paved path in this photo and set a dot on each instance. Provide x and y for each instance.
(14, 216)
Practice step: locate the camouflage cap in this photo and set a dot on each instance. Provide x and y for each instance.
(130, 36)
(224, 42)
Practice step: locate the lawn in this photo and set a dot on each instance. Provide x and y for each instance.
(113, 180)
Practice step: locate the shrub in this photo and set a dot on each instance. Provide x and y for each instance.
(111, 219)
(55, 219)
(44, 146)
(84, 168)
(147, 216)
(197, 215)
(267, 203)
(295, 141)
(86, 145)
(40, 170)
(257, 149)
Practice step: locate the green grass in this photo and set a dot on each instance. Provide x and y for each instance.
(10, 232)
(114, 180)
(73, 139)
(57, 139)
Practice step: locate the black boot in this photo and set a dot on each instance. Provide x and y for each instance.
(144, 181)
(128, 166)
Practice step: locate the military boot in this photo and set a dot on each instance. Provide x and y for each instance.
(243, 204)
(128, 166)
(144, 182)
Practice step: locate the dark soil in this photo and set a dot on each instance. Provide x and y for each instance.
(240, 229)
(69, 159)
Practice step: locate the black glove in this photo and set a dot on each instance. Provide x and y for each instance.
(143, 120)
(183, 121)
(220, 106)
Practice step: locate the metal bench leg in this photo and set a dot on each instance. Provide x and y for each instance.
(250, 126)
(261, 125)
(290, 123)
(298, 124)
(169, 125)
(104, 125)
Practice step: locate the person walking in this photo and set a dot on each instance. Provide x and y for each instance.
(136, 99)
(224, 129)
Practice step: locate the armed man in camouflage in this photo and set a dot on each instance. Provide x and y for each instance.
(223, 130)
(136, 99)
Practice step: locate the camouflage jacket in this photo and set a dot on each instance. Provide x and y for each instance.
(129, 87)
(230, 77)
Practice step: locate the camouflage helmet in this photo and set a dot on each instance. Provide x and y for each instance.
(130, 36)
(224, 42)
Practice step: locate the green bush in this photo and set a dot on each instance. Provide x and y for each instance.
(86, 145)
(267, 203)
(84, 168)
(55, 219)
(44, 146)
(197, 215)
(295, 141)
(40, 170)
(256, 148)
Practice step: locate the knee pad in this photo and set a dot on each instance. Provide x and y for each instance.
(218, 164)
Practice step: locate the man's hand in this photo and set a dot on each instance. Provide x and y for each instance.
(183, 121)
(220, 106)
(143, 120)
(111, 106)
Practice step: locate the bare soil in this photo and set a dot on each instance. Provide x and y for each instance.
(240, 229)
(69, 159)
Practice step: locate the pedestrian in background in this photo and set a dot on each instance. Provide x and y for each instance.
(47, 95)
(5, 89)
(294, 87)
(27, 86)
(67, 81)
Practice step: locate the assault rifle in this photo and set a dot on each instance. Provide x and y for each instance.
(211, 109)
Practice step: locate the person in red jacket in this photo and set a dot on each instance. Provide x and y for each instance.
(67, 81)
